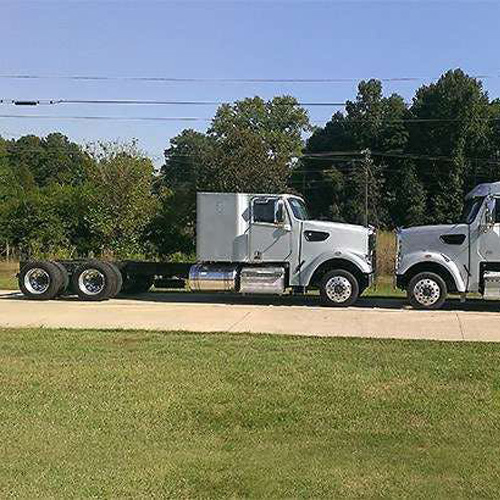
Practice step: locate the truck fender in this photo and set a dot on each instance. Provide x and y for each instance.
(422, 257)
(358, 261)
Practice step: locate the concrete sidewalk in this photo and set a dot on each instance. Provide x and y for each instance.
(378, 318)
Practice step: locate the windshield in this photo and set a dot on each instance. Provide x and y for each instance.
(298, 208)
(471, 209)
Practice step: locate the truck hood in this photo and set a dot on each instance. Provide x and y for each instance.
(427, 237)
(319, 225)
(344, 238)
(419, 230)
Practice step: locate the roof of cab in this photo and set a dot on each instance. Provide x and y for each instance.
(492, 188)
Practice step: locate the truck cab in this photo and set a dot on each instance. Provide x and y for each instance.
(461, 258)
(267, 243)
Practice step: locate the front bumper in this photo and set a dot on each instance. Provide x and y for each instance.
(400, 282)
(370, 279)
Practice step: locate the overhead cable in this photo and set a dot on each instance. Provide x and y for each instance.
(172, 79)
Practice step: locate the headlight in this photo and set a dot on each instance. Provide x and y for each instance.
(398, 249)
(372, 240)
(372, 248)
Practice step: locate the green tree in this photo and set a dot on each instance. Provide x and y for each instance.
(452, 121)
(172, 228)
(491, 171)
(118, 198)
(411, 206)
(7, 191)
(250, 145)
(7, 179)
(363, 193)
(41, 161)
(65, 161)
(278, 124)
(34, 223)
(372, 122)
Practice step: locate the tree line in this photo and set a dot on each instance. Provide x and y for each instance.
(381, 161)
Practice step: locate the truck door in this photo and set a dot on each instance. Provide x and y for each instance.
(489, 239)
(270, 234)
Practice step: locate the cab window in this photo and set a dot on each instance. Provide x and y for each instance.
(298, 208)
(471, 210)
(497, 210)
(264, 210)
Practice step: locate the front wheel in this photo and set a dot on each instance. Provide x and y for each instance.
(427, 291)
(339, 288)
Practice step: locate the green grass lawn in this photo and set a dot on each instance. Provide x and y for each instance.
(8, 280)
(137, 414)
(384, 287)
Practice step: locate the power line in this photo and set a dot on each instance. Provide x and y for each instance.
(52, 102)
(117, 118)
(410, 156)
(205, 119)
(341, 158)
(351, 166)
(198, 80)
(169, 79)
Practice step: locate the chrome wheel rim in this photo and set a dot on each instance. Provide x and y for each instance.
(338, 289)
(427, 292)
(91, 282)
(37, 281)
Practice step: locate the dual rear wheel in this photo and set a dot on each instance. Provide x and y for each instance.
(96, 281)
(91, 281)
(43, 280)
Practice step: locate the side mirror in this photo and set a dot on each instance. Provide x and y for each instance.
(489, 215)
(279, 215)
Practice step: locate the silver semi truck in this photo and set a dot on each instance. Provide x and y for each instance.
(461, 258)
(245, 243)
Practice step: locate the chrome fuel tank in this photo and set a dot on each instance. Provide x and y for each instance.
(262, 280)
(212, 278)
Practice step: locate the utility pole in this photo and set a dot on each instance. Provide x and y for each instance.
(366, 153)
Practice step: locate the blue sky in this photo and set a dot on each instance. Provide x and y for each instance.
(226, 39)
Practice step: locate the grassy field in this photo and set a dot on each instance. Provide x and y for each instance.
(384, 287)
(136, 414)
(8, 270)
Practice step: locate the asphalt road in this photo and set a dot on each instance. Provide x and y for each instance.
(378, 318)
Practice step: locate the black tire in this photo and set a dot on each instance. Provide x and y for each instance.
(346, 292)
(40, 280)
(65, 277)
(423, 291)
(135, 285)
(118, 281)
(94, 281)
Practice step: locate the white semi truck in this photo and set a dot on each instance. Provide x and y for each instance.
(462, 258)
(245, 243)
